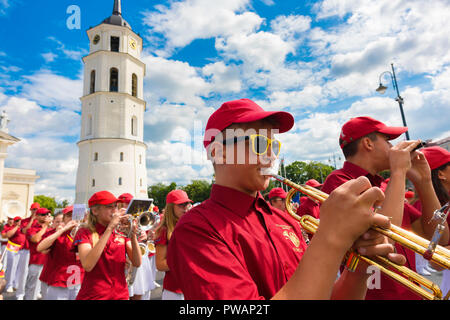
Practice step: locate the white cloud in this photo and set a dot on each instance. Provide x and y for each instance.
(49, 56)
(52, 90)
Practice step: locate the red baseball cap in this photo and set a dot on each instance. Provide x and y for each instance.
(277, 192)
(17, 218)
(177, 196)
(67, 210)
(155, 209)
(436, 156)
(358, 127)
(35, 205)
(42, 211)
(313, 183)
(102, 197)
(409, 194)
(125, 198)
(242, 111)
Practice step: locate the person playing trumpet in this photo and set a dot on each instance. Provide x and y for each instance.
(238, 247)
(103, 251)
(365, 143)
(63, 270)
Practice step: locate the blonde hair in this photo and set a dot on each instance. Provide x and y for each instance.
(169, 221)
(90, 224)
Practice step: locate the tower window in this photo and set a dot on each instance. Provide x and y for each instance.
(140, 159)
(93, 182)
(114, 80)
(120, 181)
(134, 126)
(92, 88)
(134, 81)
(115, 43)
(89, 125)
(96, 156)
(140, 182)
(121, 156)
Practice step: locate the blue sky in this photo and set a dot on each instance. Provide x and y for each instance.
(319, 60)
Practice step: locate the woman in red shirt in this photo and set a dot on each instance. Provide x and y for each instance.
(103, 251)
(62, 272)
(177, 203)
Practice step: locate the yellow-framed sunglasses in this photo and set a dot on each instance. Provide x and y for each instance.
(260, 143)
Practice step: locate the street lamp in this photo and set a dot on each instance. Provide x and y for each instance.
(382, 89)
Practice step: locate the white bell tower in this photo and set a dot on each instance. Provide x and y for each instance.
(112, 151)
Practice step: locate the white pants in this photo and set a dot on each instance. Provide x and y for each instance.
(169, 295)
(12, 261)
(59, 293)
(33, 284)
(22, 272)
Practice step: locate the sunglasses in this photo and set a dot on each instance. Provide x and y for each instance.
(260, 143)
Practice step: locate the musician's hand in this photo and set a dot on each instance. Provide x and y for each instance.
(373, 243)
(347, 213)
(420, 170)
(70, 225)
(400, 155)
(116, 219)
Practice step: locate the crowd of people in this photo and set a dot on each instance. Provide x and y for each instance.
(239, 244)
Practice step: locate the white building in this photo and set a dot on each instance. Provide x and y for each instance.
(112, 151)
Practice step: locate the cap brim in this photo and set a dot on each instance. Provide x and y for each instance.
(393, 132)
(284, 119)
(182, 201)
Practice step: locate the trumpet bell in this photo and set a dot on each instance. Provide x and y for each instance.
(148, 221)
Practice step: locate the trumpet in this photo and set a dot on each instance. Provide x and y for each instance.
(146, 221)
(406, 277)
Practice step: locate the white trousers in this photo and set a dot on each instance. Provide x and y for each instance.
(12, 261)
(22, 272)
(59, 293)
(169, 295)
(33, 284)
(445, 284)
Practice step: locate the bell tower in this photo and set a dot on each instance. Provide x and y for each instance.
(112, 151)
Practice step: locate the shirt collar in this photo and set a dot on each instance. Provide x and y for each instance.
(100, 228)
(356, 171)
(238, 202)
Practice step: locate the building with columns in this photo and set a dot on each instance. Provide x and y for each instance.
(112, 152)
(16, 185)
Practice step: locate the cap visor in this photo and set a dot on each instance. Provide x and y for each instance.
(284, 119)
(393, 132)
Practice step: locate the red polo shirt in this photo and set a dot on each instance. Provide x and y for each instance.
(35, 256)
(17, 238)
(389, 289)
(106, 281)
(169, 282)
(234, 246)
(62, 268)
(23, 224)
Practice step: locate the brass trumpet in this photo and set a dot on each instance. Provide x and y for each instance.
(408, 278)
(147, 220)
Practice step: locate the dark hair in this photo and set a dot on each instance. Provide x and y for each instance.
(352, 148)
(441, 193)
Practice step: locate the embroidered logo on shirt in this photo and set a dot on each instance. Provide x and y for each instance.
(293, 237)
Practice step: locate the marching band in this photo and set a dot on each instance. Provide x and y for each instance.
(236, 244)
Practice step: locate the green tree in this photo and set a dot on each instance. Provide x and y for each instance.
(198, 190)
(159, 191)
(46, 202)
(300, 171)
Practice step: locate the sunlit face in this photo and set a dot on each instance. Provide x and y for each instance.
(58, 220)
(382, 145)
(444, 177)
(244, 173)
(104, 213)
(121, 205)
(182, 208)
(41, 217)
(278, 203)
(67, 217)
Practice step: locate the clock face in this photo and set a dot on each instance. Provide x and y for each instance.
(133, 44)
(96, 39)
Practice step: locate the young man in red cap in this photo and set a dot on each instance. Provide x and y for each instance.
(367, 150)
(103, 251)
(238, 247)
(277, 198)
(124, 200)
(37, 259)
(16, 241)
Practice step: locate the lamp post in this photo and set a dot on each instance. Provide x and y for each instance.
(382, 89)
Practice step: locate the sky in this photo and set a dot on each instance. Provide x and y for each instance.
(319, 60)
